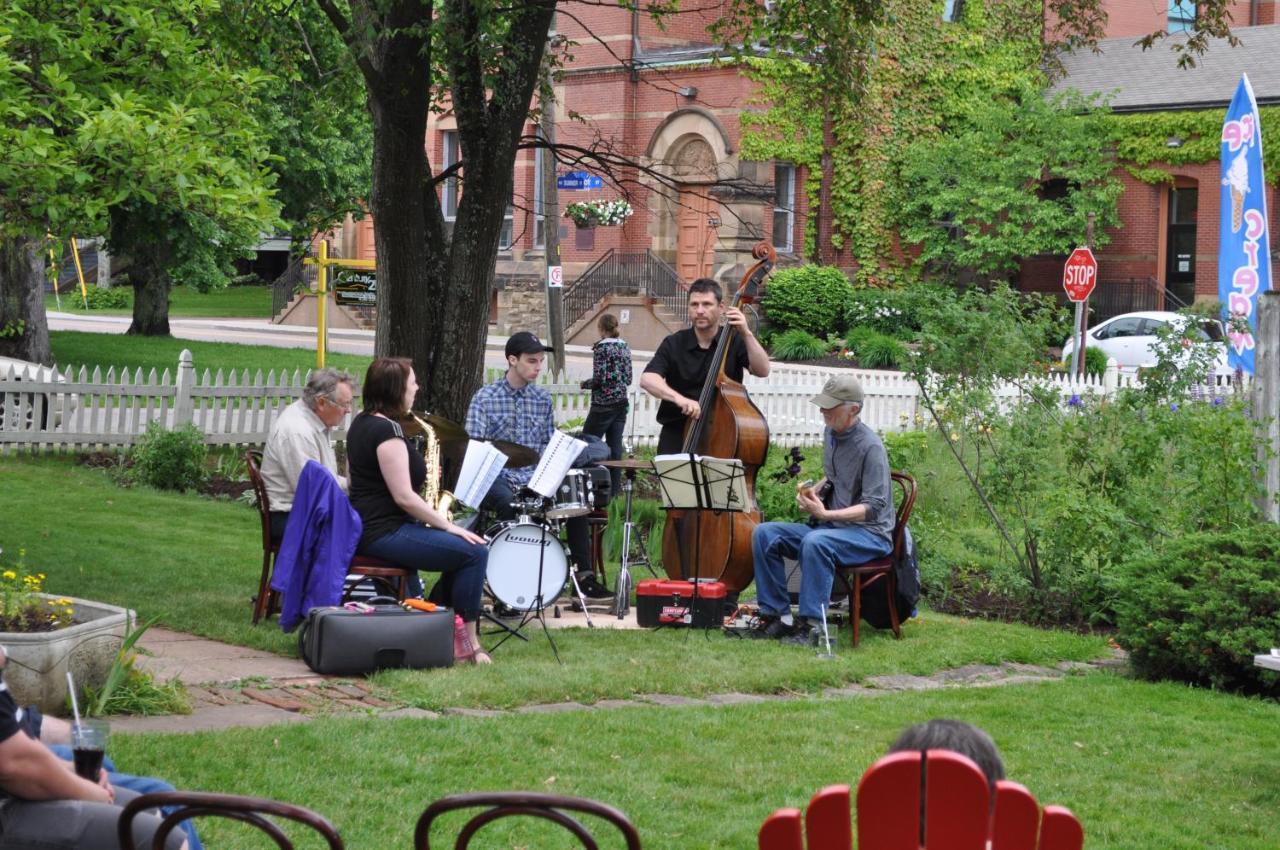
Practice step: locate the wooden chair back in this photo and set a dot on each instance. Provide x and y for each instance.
(936, 800)
(555, 808)
(253, 463)
(907, 484)
(255, 811)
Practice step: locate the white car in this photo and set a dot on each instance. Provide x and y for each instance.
(1130, 338)
(55, 406)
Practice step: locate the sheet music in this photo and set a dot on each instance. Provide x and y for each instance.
(561, 452)
(720, 484)
(480, 467)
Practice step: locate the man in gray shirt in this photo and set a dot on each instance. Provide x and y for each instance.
(853, 524)
(302, 434)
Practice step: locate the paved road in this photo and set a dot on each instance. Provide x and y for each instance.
(263, 332)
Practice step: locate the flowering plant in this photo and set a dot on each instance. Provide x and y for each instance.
(604, 213)
(23, 609)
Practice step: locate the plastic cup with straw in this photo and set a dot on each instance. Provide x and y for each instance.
(88, 739)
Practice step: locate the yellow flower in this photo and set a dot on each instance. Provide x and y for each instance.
(10, 574)
(954, 436)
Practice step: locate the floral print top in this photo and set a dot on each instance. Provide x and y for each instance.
(611, 371)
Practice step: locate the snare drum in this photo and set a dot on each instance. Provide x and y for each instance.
(573, 497)
(513, 565)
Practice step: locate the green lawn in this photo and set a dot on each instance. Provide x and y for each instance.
(1145, 767)
(253, 302)
(74, 348)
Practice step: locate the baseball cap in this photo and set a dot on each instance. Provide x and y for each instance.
(525, 343)
(839, 389)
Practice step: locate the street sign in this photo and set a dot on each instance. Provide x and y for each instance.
(1080, 274)
(555, 276)
(576, 180)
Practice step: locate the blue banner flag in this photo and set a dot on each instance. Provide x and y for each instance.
(1244, 260)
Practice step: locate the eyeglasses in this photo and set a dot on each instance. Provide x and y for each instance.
(344, 406)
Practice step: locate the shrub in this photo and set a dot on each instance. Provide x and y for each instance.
(169, 460)
(796, 344)
(1200, 610)
(113, 298)
(878, 351)
(899, 312)
(1095, 361)
(808, 298)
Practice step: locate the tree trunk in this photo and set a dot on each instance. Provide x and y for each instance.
(150, 302)
(24, 329)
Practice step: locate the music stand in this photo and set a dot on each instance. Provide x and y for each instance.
(702, 484)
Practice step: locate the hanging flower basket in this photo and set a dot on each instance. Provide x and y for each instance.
(588, 214)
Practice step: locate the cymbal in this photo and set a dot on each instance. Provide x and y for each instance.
(628, 463)
(517, 455)
(447, 431)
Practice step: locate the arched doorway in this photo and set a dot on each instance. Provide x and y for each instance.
(693, 165)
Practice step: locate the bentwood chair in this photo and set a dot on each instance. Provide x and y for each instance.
(933, 800)
(255, 811)
(858, 577)
(501, 804)
(384, 574)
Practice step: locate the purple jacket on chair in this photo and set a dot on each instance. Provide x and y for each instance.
(316, 550)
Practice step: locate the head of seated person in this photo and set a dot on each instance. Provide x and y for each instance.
(957, 737)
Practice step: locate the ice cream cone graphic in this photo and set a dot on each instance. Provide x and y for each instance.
(1238, 179)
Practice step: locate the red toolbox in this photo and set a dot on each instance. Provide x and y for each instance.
(663, 602)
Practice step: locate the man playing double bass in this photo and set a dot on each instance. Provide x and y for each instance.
(679, 368)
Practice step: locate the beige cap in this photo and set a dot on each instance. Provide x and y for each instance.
(838, 390)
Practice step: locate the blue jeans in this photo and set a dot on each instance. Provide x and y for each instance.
(463, 564)
(137, 784)
(609, 423)
(818, 550)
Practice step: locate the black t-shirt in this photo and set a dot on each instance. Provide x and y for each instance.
(369, 494)
(684, 365)
(9, 723)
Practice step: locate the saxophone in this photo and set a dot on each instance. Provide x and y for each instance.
(442, 501)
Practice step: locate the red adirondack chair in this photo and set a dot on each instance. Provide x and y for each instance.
(955, 813)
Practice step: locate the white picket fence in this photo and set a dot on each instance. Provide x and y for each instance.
(75, 409)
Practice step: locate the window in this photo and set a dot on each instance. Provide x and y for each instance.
(952, 10)
(508, 229)
(449, 200)
(1128, 326)
(539, 232)
(784, 207)
(1182, 16)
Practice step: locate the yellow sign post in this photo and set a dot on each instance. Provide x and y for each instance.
(322, 263)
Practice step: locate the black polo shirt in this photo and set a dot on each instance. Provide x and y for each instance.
(684, 365)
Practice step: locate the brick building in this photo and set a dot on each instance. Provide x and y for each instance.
(1165, 253)
(655, 95)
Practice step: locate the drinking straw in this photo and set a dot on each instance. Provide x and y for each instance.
(75, 708)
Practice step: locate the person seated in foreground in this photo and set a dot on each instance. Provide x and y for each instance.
(44, 805)
(958, 737)
(301, 433)
(399, 526)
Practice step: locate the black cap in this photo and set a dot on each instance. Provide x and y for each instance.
(525, 343)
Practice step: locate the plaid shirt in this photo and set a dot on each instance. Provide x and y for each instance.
(524, 416)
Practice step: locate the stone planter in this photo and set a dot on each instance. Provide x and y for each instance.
(38, 663)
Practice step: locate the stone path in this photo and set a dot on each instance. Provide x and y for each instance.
(234, 686)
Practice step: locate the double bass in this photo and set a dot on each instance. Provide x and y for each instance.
(709, 543)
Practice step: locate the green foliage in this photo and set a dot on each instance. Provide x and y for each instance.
(1095, 360)
(808, 298)
(1199, 610)
(876, 350)
(906, 449)
(128, 690)
(777, 479)
(169, 460)
(1003, 161)
(897, 311)
(797, 344)
(103, 298)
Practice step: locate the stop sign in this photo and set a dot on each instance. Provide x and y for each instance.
(1080, 274)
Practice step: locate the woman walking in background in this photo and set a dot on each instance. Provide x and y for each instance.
(609, 384)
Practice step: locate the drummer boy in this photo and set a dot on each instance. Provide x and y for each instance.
(516, 409)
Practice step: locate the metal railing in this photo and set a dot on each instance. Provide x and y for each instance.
(636, 273)
(1127, 295)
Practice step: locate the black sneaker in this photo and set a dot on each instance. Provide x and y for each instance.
(804, 634)
(592, 588)
(768, 628)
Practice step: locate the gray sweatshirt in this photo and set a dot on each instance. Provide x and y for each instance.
(856, 464)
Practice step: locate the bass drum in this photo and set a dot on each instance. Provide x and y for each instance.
(513, 565)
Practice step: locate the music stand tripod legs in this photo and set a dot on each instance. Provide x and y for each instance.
(622, 584)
